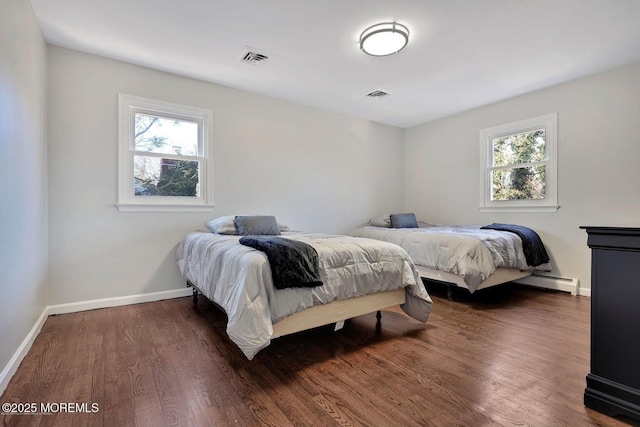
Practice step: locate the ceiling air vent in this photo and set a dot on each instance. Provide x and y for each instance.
(377, 94)
(254, 58)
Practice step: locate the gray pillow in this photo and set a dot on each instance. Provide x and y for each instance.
(257, 225)
(404, 220)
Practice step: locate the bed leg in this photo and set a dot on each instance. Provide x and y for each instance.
(378, 322)
(195, 296)
(449, 292)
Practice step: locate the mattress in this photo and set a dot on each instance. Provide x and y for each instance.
(238, 278)
(467, 251)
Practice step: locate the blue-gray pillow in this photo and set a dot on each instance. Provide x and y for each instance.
(404, 220)
(257, 225)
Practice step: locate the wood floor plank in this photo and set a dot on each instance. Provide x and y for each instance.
(510, 355)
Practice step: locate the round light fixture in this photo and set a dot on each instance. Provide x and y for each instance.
(384, 39)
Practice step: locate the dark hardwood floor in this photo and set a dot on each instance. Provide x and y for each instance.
(509, 355)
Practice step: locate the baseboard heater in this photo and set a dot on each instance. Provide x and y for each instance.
(565, 284)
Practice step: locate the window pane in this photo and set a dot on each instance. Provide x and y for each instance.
(518, 183)
(155, 176)
(156, 134)
(519, 148)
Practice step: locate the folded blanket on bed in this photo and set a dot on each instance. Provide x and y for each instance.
(532, 245)
(293, 264)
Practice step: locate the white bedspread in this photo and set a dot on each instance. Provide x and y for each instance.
(238, 278)
(470, 252)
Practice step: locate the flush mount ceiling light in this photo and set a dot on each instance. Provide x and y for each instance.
(384, 39)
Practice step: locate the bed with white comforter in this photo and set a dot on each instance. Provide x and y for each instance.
(466, 251)
(238, 279)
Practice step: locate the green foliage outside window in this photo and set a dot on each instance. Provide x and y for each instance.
(176, 178)
(516, 172)
(160, 176)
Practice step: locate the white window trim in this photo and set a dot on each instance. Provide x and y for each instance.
(549, 123)
(128, 105)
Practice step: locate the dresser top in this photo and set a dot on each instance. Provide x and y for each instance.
(611, 230)
(616, 238)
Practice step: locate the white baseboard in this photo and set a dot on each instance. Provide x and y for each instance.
(12, 367)
(566, 284)
(74, 307)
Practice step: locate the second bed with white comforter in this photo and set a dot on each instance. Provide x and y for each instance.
(470, 251)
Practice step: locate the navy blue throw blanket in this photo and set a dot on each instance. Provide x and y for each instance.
(532, 245)
(294, 264)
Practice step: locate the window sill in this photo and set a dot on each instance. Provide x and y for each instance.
(147, 207)
(546, 208)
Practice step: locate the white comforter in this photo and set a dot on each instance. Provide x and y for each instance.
(238, 278)
(470, 252)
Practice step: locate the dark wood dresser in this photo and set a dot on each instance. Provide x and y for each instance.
(613, 384)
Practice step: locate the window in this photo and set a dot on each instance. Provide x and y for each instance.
(518, 166)
(164, 156)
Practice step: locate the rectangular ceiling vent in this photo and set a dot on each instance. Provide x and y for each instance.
(254, 58)
(377, 94)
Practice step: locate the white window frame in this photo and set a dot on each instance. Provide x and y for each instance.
(549, 123)
(128, 106)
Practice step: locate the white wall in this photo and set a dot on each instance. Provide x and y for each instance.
(23, 210)
(314, 170)
(598, 169)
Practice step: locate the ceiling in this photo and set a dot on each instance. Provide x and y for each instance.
(461, 53)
